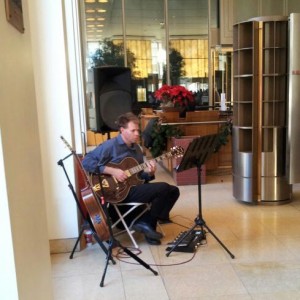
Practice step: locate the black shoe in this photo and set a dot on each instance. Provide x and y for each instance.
(147, 230)
(152, 241)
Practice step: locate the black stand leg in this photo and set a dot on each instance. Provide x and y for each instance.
(115, 243)
(140, 261)
(106, 264)
(224, 247)
(77, 241)
(197, 157)
(107, 251)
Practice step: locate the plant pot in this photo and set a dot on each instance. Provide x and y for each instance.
(180, 110)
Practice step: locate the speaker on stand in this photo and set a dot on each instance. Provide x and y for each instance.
(112, 92)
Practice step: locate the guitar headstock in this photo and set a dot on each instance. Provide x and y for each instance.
(177, 151)
(66, 143)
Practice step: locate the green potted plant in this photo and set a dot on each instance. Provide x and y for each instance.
(160, 135)
(224, 132)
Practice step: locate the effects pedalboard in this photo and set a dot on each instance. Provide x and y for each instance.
(190, 242)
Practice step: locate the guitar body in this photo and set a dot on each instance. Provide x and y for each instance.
(114, 191)
(96, 213)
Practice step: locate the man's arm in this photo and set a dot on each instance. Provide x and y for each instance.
(149, 173)
(90, 163)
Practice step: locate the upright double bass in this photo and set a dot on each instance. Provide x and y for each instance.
(93, 207)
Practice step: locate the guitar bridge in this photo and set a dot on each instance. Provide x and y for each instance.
(104, 184)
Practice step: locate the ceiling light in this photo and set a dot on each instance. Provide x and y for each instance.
(90, 1)
(101, 10)
(90, 25)
(100, 19)
(100, 25)
(88, 11)
(93, 37)
(90, 19)
(102, 1)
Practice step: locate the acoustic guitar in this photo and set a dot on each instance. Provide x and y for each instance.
(116, 191)
(94, 209)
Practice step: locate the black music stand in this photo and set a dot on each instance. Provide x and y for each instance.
(198, 151)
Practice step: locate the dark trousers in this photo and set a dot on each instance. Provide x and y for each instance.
(162, 197)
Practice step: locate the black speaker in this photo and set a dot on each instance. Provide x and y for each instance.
(112, 89)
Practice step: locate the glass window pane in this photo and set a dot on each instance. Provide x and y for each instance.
(145, 38)
(188, 44)
(104, 32)
(145, 41)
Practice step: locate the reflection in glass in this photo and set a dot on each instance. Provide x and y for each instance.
(145, 37)
(188, 35)
(222, 76)
(103, 27)
(153, 38)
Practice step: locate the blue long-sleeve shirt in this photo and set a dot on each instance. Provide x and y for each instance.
(113, 151)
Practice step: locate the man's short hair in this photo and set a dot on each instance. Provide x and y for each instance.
(124, 119)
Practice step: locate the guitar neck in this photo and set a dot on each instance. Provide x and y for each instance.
(143, 166)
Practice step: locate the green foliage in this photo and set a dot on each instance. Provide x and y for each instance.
(225, 131)
(160, 134)
(111, 54)
(176, 67)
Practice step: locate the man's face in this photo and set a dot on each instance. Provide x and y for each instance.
(131, 134)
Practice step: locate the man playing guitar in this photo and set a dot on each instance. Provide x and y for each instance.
(107, 159)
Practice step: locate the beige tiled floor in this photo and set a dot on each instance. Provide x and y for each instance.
(264, 239)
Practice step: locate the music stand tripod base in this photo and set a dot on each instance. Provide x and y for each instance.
(197, 153)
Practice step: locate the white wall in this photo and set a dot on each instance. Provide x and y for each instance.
(23, 209)
(53, 103)
(35, 110)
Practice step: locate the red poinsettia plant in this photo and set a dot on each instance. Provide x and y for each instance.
(176, 94)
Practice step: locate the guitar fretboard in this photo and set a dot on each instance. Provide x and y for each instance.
(143, 166)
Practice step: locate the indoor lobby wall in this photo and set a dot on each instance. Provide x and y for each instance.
(25, 271)
(55, 119)
(35, 110)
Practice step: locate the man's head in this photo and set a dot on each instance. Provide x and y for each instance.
(124, 119)
(129, 128)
